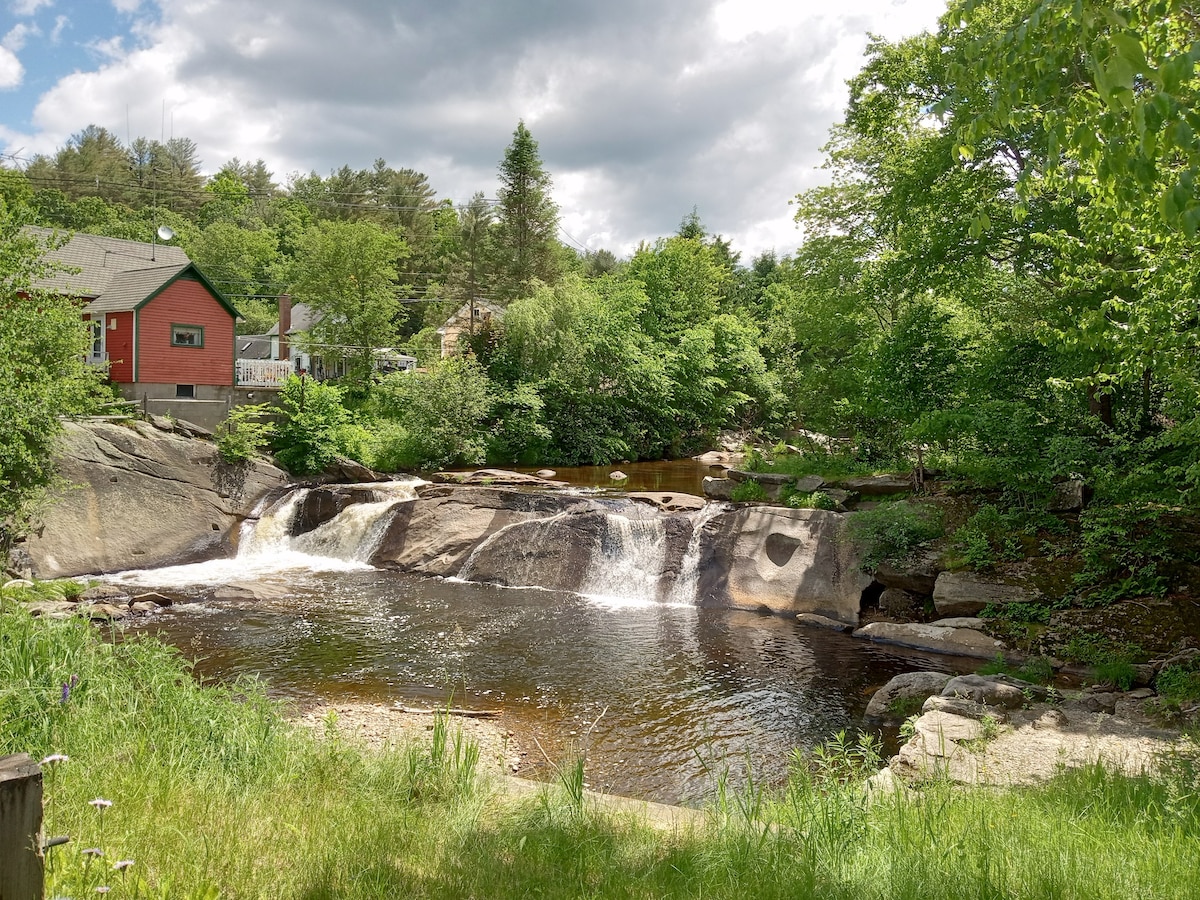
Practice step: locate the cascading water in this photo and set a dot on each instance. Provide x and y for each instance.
(627, 565)
(524, 571)
(687, 583)
(267, 547)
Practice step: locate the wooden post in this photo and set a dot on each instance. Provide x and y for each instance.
(20, 828)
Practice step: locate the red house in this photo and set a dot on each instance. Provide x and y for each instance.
(165, 332)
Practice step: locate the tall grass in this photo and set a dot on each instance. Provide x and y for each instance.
(214, 794)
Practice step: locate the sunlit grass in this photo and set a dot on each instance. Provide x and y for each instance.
(214, 794)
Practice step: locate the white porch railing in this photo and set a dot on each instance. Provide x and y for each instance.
(267, 373)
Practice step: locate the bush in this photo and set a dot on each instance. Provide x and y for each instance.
(749, 492)
(815, 500)
(312, 433)
(893, 532)
(245, 433)
(1124, 554)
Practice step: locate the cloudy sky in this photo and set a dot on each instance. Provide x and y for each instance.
(643, 109)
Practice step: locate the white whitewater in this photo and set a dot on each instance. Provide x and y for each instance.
(626, 567)
(267, 547)
(534, 532)
(687, 584)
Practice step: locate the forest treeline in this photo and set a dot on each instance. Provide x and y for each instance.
(1000, 274)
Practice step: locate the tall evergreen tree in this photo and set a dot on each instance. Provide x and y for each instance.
(527, 220)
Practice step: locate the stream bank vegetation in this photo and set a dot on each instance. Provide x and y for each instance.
(171, 789)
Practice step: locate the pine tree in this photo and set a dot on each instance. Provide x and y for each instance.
(526, 243)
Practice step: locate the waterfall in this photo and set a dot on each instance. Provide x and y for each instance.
(627, 564)
(267, 547)
(525, 573)
(687, 583)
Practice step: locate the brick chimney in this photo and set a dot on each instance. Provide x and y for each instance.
(285, 324)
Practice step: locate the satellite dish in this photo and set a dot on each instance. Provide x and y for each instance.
(165, 232)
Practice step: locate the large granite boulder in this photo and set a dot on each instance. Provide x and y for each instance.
(967, 593)
(785, 560)
(138, 497)
(903, 695)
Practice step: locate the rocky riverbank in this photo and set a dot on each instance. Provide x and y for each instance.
(999, 730)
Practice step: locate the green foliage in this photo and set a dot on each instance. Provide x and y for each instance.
(526, 233)
(315, 427)
(437, 418)
(1179, 684)
(1035, 669)
(245, 433)
(815, 500)
(1124, 554)
(43, 342)
(1113, 660)
(987, 538)
(893, 531)
(347, 273)
(748, 491)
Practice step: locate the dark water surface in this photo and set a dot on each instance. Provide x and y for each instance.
(662, 698)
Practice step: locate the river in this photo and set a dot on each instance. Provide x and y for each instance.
(665, 699)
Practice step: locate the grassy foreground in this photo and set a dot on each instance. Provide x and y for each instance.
(213, 795)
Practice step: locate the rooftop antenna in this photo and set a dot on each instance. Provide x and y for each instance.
(164, 233)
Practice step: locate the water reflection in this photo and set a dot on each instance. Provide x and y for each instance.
(664, 698)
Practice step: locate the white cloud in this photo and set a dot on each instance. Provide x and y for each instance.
(724, 111)
(28, 7)
(60, 24)
(126, 6)
(18, 35)
(11, 70)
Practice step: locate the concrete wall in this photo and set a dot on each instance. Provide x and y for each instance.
(209, 407)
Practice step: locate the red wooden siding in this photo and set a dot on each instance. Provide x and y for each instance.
(185, 302)
(118, 344)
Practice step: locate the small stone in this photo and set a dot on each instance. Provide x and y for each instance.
(1140, 694)
(546, 473)
(617, 475)
(938, 726)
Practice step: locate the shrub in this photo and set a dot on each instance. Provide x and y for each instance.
(1124, 554)
(245, 433)
(312, 432)
(815, 500)
(749, 492)
(1179, 683)
(893, 532)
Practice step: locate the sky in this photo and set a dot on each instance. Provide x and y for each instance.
(642, 109)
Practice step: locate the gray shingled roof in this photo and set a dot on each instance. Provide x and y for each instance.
(101, 259)
(127, 289)
(303, 319)
(254, 346)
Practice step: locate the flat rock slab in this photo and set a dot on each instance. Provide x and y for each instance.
(669, 501)
(966, 593)
(994, 690)
(877, 485)
(141, 498)
(493, 478)
(955, 641)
